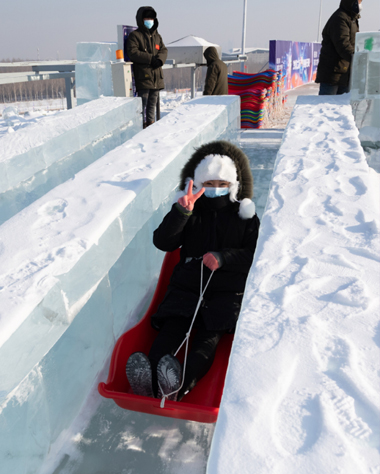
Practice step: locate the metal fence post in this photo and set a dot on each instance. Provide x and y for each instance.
(158, 108)
(193, 72)
(69, 92)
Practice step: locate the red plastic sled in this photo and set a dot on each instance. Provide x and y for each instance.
(202, 403)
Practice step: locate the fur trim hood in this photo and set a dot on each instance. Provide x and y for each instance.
(222, 160)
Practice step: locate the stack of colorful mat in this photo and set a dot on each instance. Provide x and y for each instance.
(260, 94)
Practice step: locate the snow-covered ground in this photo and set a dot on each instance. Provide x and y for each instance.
(14, 116)
(303, 390)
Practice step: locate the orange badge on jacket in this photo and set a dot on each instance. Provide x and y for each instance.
(157, 46)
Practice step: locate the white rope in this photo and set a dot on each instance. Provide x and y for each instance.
(186, 340)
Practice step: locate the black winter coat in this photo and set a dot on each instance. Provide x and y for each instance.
(338, 46)
(143, 46)
(217, 74)
(214, 225)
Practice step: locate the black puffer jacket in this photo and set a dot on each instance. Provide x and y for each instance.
(215, 224)
(216, 79)
(143, 46)
(338, 46)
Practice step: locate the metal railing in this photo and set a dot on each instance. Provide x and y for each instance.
(43, 70)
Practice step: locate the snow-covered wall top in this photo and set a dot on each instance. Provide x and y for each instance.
(77, 265)
(69, 229)
(47, 153)
(302, 388)
(60, 124)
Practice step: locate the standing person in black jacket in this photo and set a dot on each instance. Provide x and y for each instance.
(338, 46)
(217, 74)
(216, 227)
(148, 53)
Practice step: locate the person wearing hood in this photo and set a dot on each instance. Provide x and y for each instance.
(148, 53)
(338, 46)
(217, 74)
(214, 222)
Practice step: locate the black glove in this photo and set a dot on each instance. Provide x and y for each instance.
(156, 63)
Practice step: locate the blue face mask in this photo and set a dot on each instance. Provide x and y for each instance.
(216, 192)
(149, 23)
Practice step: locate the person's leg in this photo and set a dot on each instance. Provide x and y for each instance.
(343, 90)
(151, 106)
(200, 357)
(327, 89)
(144, 94)
(167, 341)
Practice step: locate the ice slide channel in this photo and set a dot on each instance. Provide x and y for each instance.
(35, 160)
(88, 265)
(302, 387)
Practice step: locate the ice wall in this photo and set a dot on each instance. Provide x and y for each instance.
(365, 87)
(37, 158)
(88, 266)
(93, 74)
(302, 388)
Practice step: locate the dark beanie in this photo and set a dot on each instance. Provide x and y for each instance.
(149, 13)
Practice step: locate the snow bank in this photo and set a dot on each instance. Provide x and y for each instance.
(302, 390)
(45, 154)
(84, 273)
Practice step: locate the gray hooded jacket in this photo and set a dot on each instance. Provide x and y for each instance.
(217, 74)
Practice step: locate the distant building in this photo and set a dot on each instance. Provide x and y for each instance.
(258, 60)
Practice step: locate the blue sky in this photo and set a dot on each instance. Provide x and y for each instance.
(54, 27)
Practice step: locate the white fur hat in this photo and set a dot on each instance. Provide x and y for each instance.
(219, 167)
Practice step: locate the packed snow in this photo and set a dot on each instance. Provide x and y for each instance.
(86, 269)
(302, 391)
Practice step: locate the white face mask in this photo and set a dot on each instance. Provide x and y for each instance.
(360, 7)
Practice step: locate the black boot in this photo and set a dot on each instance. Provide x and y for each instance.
(139, 374)
(169, 373)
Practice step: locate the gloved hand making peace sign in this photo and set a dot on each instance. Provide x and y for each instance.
(211, 260)
(187, 201)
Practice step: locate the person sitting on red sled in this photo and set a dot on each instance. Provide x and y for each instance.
(215, 224)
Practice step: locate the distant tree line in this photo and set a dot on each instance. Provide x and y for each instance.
(31, 90)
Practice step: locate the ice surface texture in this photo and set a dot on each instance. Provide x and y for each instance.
(88, 264)
(302, 388)
(36, 159)
(93, 75)
(261, 147)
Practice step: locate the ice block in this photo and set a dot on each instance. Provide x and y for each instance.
(37, 158)
(93, 74)
(88, 267)
(365, 84)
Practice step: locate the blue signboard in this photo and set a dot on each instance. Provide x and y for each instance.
(298, 61)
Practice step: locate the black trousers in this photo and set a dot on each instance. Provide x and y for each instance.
(149, 103)
(328, 89)
(201, 352)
